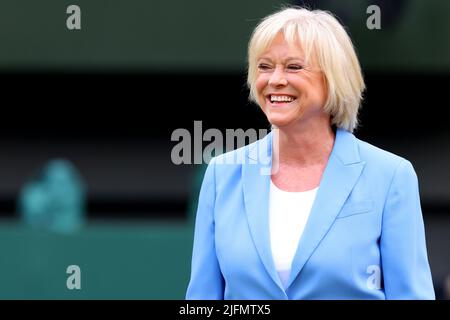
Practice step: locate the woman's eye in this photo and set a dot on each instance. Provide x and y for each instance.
(264, 67)
(295, 67)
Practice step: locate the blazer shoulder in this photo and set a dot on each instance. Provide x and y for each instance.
(384, 164)
(371, 153)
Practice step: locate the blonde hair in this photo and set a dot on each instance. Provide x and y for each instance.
(319, 33)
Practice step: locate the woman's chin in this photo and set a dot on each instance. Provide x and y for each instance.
(281, 117)
(279, 122)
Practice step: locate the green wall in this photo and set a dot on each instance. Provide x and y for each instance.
(199, 35)
(136, 34)
(120, 260)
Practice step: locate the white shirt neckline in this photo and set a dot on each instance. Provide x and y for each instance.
(288, 215)
(293, 192)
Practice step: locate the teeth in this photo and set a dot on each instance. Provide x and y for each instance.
(281, 98)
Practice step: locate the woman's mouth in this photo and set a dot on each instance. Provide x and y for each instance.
(280, 99)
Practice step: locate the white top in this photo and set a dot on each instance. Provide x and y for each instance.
(288, 214)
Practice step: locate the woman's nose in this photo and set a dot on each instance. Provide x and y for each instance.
(278, 78)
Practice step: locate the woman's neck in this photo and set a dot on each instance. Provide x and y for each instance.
(304, 146)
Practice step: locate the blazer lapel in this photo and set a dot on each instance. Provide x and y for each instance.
(256, 187)
(341, 174)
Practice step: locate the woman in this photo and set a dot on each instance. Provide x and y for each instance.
(337, 218)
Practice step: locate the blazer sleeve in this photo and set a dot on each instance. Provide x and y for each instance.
(406, 271)
(206, 280)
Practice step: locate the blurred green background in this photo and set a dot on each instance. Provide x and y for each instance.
(151, 35)
(147, 260)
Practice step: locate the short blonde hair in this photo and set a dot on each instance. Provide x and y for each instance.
(319, 33)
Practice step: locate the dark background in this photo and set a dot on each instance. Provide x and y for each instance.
(137, 113)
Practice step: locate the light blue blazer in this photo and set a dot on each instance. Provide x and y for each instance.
(364, 238)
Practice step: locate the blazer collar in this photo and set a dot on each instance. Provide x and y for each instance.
(341, 174)
(345, 148)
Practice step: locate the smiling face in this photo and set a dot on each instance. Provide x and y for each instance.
(289, 91)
